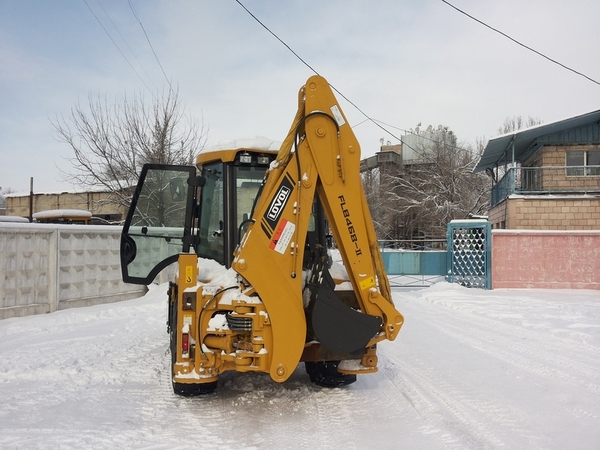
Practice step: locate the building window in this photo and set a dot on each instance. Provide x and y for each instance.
(583, 162)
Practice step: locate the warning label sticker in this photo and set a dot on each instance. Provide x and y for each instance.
(335, 110)
(282, 237)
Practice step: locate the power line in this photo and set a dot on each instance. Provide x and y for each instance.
(317, 73)
(368, 118)
(149, 43)
(125, 41)
(378, 122)
(277, 37)
(520, 43)
(118, 48)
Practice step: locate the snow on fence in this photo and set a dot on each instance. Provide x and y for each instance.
(45, 267)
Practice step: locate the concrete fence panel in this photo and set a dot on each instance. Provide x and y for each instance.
(44, 268)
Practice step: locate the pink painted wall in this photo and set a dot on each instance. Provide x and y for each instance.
(546, 259)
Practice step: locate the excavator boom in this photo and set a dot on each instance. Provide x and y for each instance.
(320, 155)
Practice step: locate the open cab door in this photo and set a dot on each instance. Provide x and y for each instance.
(159, 222)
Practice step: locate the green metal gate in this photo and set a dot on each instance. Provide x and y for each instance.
(414, 268)
(469, 253)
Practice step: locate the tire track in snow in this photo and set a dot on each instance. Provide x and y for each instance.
(446, 413)
(308, 411)
(531, 350)
(426, 382)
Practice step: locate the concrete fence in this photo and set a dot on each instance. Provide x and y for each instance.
(44, 268)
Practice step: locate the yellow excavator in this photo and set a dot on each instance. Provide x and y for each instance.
(251, 230)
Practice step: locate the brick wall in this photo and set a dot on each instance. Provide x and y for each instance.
(547, 213)
(565, 209)
(550, 179)
(91, 201)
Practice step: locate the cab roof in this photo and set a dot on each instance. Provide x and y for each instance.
(226, 150)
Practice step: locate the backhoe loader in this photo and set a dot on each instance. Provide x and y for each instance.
(251, 229)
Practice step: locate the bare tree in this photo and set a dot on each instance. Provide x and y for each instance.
(379, 185)
(110, 143)
(517, 123)
(442, 189)
(434, 185)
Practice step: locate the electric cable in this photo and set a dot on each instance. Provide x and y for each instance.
(125, 41)
(277, 37)
(378, 123)
(149, 43)
(520, 43)
(116, 45)
(317, 73)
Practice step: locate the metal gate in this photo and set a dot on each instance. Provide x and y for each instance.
(469, 253)
(420, 268)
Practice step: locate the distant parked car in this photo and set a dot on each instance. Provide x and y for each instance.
(71, 216)
(14, 219)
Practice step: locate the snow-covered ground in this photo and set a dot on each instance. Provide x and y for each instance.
(513, 369)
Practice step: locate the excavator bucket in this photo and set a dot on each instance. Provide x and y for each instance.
(337, 326)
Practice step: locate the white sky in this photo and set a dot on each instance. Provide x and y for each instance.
(400, 62)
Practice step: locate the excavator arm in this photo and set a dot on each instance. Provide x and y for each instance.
(320, 158)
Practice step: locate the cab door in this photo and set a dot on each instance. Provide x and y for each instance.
(159, 222)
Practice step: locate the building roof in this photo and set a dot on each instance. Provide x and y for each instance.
(524, 141)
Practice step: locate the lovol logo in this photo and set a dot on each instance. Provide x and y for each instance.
(279, 202)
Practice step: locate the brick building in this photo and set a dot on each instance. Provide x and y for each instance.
(98, 203)
(546, 177)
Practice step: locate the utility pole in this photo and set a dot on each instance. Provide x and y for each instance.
(30, 199)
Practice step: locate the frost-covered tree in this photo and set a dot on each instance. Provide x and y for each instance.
(434, 185)
(110, 143)
(379, 189)
(3, 193)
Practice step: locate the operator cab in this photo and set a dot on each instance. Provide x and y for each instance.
(175, 209)
(228, 198)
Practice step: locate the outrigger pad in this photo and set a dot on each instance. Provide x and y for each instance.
(337, 326)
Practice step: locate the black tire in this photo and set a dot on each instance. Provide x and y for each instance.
(194, 390)
(325, 374)
(185, 389)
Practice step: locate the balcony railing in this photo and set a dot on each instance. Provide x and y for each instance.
(547, 180)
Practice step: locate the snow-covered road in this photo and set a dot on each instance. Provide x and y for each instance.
(516, 369)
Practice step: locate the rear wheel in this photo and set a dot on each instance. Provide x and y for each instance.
(325, 373)
(192, 390)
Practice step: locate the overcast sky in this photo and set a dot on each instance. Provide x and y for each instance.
(401, 62)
